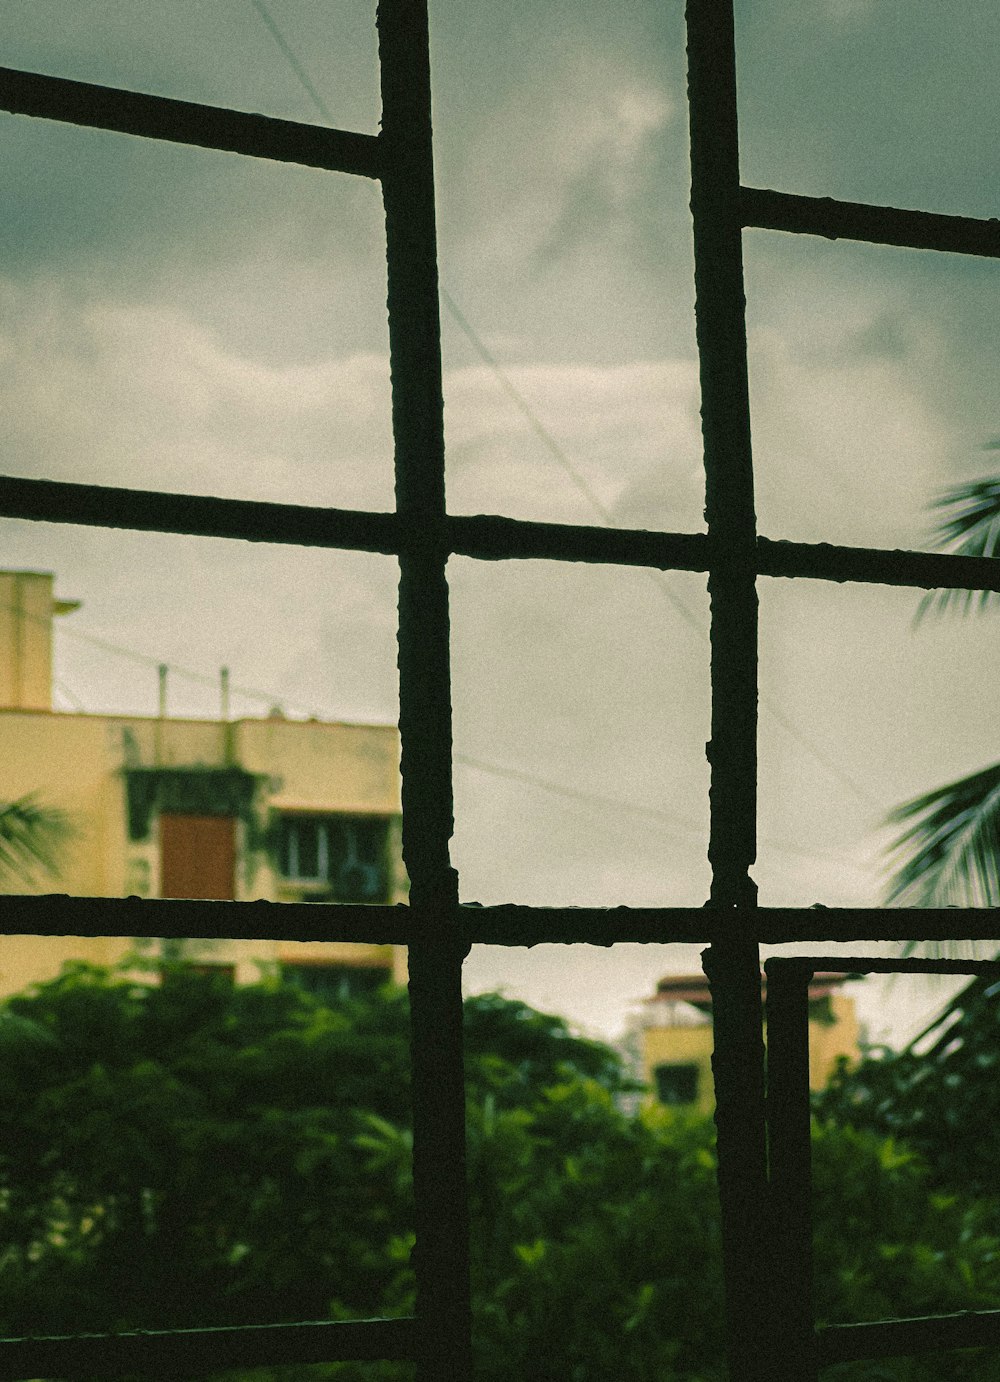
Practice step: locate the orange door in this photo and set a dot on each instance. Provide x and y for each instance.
(198, 856)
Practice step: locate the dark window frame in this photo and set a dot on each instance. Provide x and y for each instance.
(422, 535)
(289, 850)
(676, 1083)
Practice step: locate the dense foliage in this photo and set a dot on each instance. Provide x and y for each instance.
(197, 1153)
(942, 1098)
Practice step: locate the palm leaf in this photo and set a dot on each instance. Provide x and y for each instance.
(968, 523)
(31, 838)
(948, 855)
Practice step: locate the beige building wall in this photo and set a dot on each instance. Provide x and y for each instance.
(681, 1046)
(27, 606)
(829, 1040)
(81, 764)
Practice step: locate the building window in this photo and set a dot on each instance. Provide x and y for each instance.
(335, 858)
(335, 983)
(676, 1083)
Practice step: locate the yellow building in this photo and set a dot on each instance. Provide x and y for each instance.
(676, 1038)
(285, 810)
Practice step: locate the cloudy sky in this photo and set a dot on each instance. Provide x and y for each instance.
(187, 320)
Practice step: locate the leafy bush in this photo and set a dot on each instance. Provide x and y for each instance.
(194, 1153)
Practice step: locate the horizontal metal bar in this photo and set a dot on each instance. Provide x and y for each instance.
(867, 964)
(783, 925)
(196, 515)
(58, 915)
(517, 925)
(847, 1343)
(764, 209)
(506, 924)
(492, 538)
(195, 1351)
(487, 537)
(187, 122)
(824, 561)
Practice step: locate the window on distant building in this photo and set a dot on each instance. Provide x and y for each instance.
(335, 858)
(676, 1083)
(333, 983)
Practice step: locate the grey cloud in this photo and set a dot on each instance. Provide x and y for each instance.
(875, 382)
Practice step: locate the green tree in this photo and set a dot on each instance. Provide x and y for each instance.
(31, 837)
(948, 850)
(195, 1153)
(941, 1099)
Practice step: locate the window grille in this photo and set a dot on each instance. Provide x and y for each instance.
(765, 1221)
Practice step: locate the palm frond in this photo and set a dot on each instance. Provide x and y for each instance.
(948, 855)
(31, 838)
(968, 523)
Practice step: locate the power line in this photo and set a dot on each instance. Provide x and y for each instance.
(148, 660)
(68, 695)
(605, 514)
(559, 453)
(513, 393)
(654, 813)
(658, 814)
(561, 456)
(292, 60)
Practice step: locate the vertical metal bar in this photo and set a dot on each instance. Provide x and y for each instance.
(725, 414)
(733, 964)
(790, 1163)
(737, 1067)
(435, 960)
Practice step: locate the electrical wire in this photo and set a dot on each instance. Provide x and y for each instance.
(676, 819)
(653, 813)
(148, 660)
(292, 60)
(560, 455)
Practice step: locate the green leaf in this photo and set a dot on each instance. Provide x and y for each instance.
(31, 836)
(969, 525)
(949, 853)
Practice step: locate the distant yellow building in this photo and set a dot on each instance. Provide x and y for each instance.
(285, 810)
(676, 1038)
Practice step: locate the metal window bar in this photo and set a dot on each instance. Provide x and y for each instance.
(422, 535)
(806, 1349)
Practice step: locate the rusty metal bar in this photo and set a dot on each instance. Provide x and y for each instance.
(187, 122)
(435, 958)
(824, 561)
(514, 925)
(493, 538)
(790, 1166)
(733, 972)
(58, 915)
(725, 413)
(797, 966)
(848, 1343)
(193, 1352)
(487, 537)
(733, 965)
(197, 515)
(764, 209)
